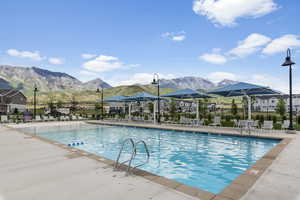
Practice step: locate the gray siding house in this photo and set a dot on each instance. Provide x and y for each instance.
(10, 100)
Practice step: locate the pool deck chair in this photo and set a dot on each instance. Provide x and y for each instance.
(4, 119)
(217, 121)
(38, 118)
(286, 124)
(267, 125)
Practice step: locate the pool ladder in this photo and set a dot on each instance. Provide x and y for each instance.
(133, 154)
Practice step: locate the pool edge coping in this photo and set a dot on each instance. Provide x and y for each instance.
(234, 191)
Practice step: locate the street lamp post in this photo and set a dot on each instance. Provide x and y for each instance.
(34, 101)
(156, 82)
(98, 91)
(289, 62)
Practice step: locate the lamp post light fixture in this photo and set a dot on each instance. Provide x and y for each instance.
(98, 91)
(289, 62)
(156, 82)
(35, 90)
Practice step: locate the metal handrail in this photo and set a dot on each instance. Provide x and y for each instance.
(134, 154)
(121, 150)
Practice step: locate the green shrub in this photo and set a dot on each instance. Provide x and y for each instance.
(269, 117)
(228, 118)
(209, 117)
(277, 126)
(298, 120)
(207, 122)
(146, 117)
(227, 123)
(274, 119)
(261, 119)
(257, 117)
(284, 118)
(297, 127)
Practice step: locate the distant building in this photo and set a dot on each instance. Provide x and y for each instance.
(10, 100)
(268, 103)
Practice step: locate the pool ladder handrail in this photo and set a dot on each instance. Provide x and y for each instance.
(133, 154)
(129, 169)
(117, 164)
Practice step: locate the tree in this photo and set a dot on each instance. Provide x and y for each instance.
(50, 104)
(150, 107)
(74, 103)
(234, 108)
(280, 108)
(203, 107)
(173, 109)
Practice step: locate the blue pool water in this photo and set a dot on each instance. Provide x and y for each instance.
(206, 161)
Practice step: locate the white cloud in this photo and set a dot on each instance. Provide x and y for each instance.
(251, 44)
(33, 55)
(226, 12)
(142, 78)
(56, 61)
(276, 83)
(105, 63)
(282, 44)
(214, 58)
(219, 76)
(87, 73)
(88, 56)
(179, 36)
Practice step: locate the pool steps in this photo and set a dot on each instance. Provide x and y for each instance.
(133, 154)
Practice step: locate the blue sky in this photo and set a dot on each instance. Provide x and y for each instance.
(125, 42)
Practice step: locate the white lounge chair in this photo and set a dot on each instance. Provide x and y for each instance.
(38, 118)
(51, 118)
(217, 121)
(4, 118)
(267, 124)
(74, 117)
(286, 124)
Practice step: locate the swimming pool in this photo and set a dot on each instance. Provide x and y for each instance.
(207, 161)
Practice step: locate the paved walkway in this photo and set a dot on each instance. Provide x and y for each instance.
(34, 170)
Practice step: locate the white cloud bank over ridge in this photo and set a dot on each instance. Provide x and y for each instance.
(140, 78)
(226, 12)
(56, 61)
(104, 63)
(33, 55)
(213, 58)
(219, 76)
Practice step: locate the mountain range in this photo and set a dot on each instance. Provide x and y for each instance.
(24, 78)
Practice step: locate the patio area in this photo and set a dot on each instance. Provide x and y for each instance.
(34, 169)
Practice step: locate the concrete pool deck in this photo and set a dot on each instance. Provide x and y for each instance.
(32, 169)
